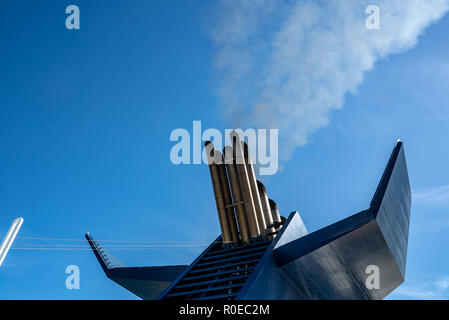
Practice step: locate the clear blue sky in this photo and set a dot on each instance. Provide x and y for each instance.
(85, 120)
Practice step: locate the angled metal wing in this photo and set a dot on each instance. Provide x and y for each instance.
(145, 282)
(336, 261)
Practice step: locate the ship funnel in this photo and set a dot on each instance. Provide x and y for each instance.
(245, 185)
(239, 203)
(244, 211)
(254, 190)
(217, 185)
(275, 213)
(266, 209)
(229, 208)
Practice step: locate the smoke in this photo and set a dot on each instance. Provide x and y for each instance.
(287, 64)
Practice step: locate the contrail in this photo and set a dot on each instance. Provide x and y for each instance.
(288, 64)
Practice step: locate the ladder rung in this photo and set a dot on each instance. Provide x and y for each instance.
(220, 296)
(188, 293)
(194, 284)
(225, 266)
(219, 273)
(251, 245)
(243, 251)
(229, 259)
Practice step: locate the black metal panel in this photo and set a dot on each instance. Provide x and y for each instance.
(337, 270)
(267, 281)
(313, 241)
(391, 205)
(145, 282)
(331, 263)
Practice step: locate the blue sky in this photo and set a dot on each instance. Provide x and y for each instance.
(85, 120)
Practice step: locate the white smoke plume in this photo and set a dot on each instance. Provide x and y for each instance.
(287, 64)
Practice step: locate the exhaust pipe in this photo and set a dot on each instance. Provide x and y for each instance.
(229, 208)
(275, 212)
(266, 208)
(254, 190)
(218, 193)
(239, 203)
(245, 185)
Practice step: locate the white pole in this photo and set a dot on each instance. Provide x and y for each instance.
(9, 238)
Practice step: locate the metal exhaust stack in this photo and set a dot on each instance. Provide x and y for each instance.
(266, 209)
(237, 195)
(275, 212)
(234, 182)
(245, 185)
(229, 208)
(218, 193)
(255, 190)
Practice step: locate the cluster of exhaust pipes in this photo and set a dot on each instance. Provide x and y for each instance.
(244, 210)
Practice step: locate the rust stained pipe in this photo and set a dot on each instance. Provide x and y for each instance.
(254, 190)
(275, 212)
(237, 195)
(218, 193)
(266, 206)
(227, 197)
(245, 185)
